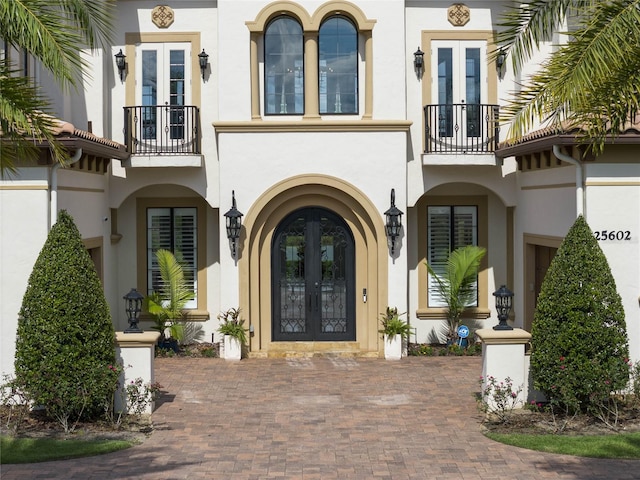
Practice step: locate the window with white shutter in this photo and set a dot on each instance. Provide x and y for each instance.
(448, 228)
(173, 229)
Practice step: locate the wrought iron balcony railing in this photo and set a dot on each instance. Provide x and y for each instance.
(162, 130)
(461, 128)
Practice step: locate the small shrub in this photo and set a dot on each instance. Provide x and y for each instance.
(473, 349)
(421, 350)
(393, 325)
(534, 406)
(634, 383)
(233, 325)
(140, 395)
(14, 404)
(455, 350)
(208, 352)
(498, 398)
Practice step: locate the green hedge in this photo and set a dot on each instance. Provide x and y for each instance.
(579, 341)
(65, 352)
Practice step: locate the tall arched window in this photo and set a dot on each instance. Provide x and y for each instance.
(338, 66)
(284, 67)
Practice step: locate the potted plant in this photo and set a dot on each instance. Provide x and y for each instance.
(395, 331)
(166, 306)
(456, 284)
(235, 335)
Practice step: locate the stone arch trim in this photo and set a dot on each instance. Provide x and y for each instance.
(310, 23)
(280, 8)
(370, 243)
(343, 8)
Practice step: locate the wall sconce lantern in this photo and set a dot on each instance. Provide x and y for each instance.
(504, 302)
(234, 224)
(394, 221)
(418, 61)
(121, 63)
(501, 59)
(133, 307)
(203, 58)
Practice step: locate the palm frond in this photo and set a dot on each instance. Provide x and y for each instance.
(174, 290)
(528, 25)
(456, 283)
(95, 17)
(591, 82)
(24, 122)
(54, 32)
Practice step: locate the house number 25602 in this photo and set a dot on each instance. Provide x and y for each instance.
(612, 234)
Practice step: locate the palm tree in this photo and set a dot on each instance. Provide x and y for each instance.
(166, 306)
(591, 81)
(456, 286)
(54, 33)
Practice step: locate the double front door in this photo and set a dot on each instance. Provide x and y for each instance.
(313, 278)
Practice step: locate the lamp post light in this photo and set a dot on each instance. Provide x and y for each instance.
(234, 223)
(133, 307)
(504, 302)
(203, 58)
(394, 221)
(121, 63)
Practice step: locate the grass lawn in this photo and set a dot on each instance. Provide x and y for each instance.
(623, 445)
(32, 450)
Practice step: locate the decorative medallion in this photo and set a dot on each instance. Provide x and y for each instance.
(162, 16)
(458, 14)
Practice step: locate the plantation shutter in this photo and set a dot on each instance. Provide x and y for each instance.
(173, 229)
(448, 227)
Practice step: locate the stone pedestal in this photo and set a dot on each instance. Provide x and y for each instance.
(503, 355)
(136, 352)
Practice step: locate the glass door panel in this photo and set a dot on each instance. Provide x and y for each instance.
(313, 275)
(162, 90)
(459, 89)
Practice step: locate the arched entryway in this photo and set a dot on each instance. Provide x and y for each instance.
(313, 276)
(336, 214)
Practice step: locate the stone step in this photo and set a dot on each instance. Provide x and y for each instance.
(313, 349)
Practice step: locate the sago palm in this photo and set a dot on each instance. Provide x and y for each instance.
(456, 285)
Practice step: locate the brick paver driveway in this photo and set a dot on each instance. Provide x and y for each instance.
(321, 418)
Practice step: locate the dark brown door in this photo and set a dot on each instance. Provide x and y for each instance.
(313, 278)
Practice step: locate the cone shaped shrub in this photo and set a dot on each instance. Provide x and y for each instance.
(65, 341)
(579, 340)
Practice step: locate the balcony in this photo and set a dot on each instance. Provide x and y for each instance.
(456, 132)
(163, 136)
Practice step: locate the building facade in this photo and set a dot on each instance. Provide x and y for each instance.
(314, 118)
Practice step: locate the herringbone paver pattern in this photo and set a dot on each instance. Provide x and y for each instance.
(322, 418)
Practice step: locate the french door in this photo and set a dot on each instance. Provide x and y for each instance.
(162, 90)
(459, 87)
(313, 278)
